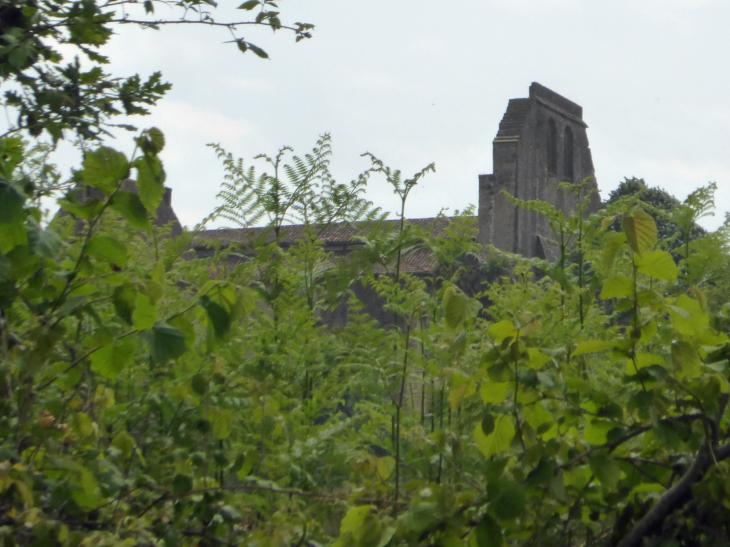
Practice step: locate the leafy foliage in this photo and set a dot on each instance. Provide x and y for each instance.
(53, 97)
(147, 398)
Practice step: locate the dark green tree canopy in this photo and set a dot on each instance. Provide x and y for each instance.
(54, 95)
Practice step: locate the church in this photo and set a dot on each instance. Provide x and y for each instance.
(541, 142)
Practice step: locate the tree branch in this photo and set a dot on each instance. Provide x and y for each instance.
(675, 497)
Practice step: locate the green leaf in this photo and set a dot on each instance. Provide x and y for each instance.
(659, 265)
(11, 236)
(499, 440)
(537, 359)
(223, 421)
(488, 533)
(487, 423)
(596, 431)
(108, 249)
(494, 392)
(88, 493)
(124, 442)
(458, 307)
(385, 467)
(42, 243)
(543, 473)
(611, 246)
(152, 141)
(619, 286)
(421, 517)
(643, 360)
(111, 360)
(104, 169)
(199, 383)
(592, 346)
(167, 343)
(218, 317)
(640, 230)
(181, 484)
(145, 313)
(510, 504)
(688, 318)
(686, 359)
(258, 51)
(12, 202)
(150, 181)
(130, 207)
(251, 4)
(504, 329)
(354, 518)
(606, 470)
(124, 299)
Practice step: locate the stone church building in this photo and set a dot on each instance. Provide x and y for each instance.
(541, 142)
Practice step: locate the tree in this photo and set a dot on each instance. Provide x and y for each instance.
(50, 95)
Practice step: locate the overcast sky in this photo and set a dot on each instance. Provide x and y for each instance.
(420, 81)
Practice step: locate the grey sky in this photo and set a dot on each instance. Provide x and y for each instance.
(415, 81)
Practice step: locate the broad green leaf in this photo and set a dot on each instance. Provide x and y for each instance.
(536, 415)
(199, 383)
(124, 299)
(488, 533)
(487, 423)
(640, 230)
(385, 467)
(537, 359)
(42, 243)
(354, 518)
(619, 286)
(111, 360)
(458, 307)
(643, 360)
(421, 517)
(87, 493)
(108, 249)
(686, 359)
(12, 202)
(592, 346)
(104, 169)
(167, 342)
(257, 50)
(223, 421)
(494, 392)
(499, 440)
(150, 181)
(219, 319)
(606, 470)
(130, 207)
(657, 264)
(596, 431)
(607, 222)
(251, 4)
(152, 141)
(504, 329)
(124, 442)
(86, 211)
(688, 318)
(511, 501)
(11, 236)
(145, 313)
(181, 484)
(611, 246)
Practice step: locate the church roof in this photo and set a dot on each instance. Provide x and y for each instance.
(339, 238)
